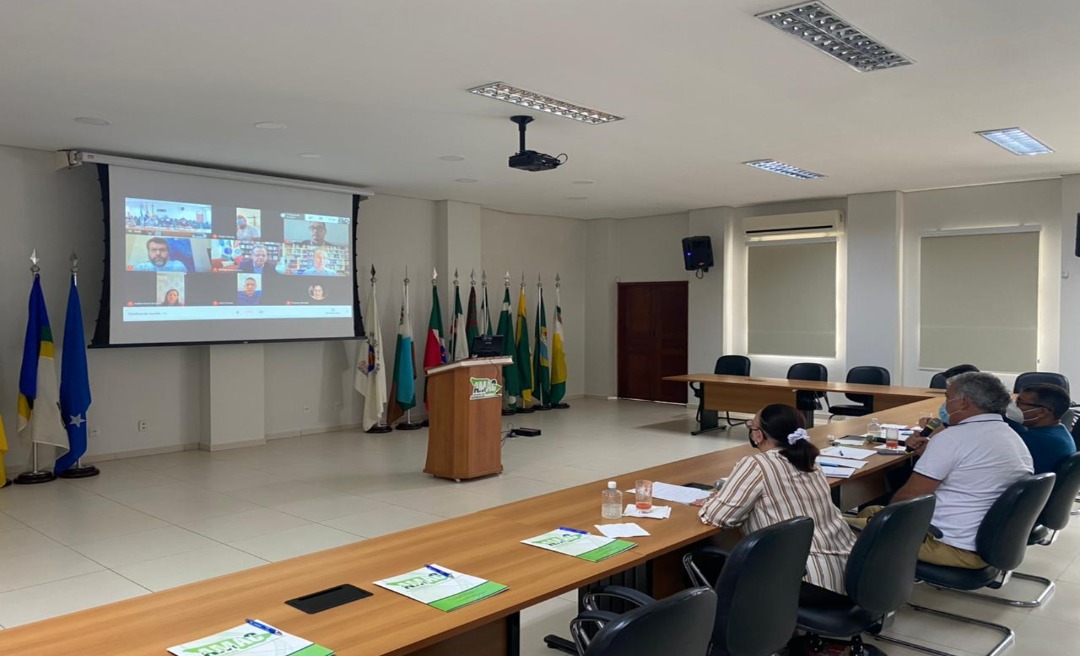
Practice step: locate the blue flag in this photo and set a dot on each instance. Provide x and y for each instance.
(74, 382)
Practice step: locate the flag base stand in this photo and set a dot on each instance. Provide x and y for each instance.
(509, 411)
(379, 429)
(425, 424)
(560, 406)
(543, 406)
(407, 426)
(85, 471)
(525, 411)
(34, 477)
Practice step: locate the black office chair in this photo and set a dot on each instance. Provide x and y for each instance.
(864, 404)
(679, 625)
(1055, 516)
(1001, 542)
(764, 570)
(808, 402)
(878, 579)
(1033, 377)
(940, 380)
(728, 365)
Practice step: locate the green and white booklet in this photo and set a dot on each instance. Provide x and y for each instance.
(252, 638)
(580, 544)
(441, 587)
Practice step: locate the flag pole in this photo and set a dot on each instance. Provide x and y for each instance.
(542, 403)
(78, 470)
(380, 426)
(558, 309)
(35, 475)
(408, 424)
(509, 406)
(522, 408)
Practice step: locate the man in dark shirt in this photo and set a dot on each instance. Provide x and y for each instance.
(1046, 437)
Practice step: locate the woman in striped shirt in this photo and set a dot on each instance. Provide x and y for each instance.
(782, 482)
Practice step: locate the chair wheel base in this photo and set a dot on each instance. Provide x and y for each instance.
(561, 644)
(812, 645)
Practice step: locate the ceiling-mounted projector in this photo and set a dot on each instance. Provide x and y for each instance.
(530, 160)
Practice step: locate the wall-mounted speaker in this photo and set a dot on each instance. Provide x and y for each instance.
(697, 253)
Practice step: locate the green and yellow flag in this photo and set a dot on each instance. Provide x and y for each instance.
(524, 354)
(541, 364)
(558, 355)
(511, 379)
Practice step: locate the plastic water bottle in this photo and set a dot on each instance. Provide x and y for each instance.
(611, 502)
(874, 429)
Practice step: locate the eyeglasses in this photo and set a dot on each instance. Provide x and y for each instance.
(754, 429)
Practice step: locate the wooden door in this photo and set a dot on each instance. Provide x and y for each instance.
(652, 340)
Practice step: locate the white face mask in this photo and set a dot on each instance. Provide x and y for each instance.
(1013, 411)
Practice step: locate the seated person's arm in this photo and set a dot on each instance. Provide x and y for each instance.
(917, 486)
(938, 460)
(729, 506)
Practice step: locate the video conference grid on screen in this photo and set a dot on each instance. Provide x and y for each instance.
(186, 262)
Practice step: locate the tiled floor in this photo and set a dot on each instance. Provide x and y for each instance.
(151, 523)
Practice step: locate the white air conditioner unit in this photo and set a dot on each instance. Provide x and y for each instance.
(793, 226)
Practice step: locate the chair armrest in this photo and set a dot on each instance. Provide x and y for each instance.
(697, 577)
(616, 592)
(936, 532)
(586, 625)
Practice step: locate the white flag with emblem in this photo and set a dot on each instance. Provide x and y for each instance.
(370, 379)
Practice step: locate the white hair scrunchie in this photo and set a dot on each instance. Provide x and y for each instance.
(799, 434)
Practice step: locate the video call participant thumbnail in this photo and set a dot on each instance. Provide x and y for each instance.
(319, 265)
(158, 256)
(247, 224)
(259, 262)
(172, 298)
(249, 292)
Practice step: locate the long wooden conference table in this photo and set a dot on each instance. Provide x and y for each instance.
(485, 544)
(751, 393)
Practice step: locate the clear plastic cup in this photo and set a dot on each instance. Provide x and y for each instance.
(892, 438)
(643, 495)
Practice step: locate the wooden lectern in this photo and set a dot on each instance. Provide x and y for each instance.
(465, 407)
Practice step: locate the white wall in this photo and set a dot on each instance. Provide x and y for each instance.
(544, 245)
(1070, 281)
(1020, 203)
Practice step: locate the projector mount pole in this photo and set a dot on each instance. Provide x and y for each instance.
(35, 475)
(78, 470)
(521, 121)
(380, 426)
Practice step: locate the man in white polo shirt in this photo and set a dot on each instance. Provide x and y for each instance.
(966, 466)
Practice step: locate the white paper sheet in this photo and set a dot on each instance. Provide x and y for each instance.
(678, 493)
(838, 472)
(847, 452)
(841, 462)
(627, 530)
(656, 512)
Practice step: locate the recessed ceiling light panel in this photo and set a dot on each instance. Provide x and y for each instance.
(1016, 141)
(773, 166)
(541, 103)
(817, 25)
(270, 125)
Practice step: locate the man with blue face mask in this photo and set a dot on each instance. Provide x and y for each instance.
(966, 467)
(1041, 430)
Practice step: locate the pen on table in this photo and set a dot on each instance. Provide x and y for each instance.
(573, 530)
(265, 627)
(439, 571)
